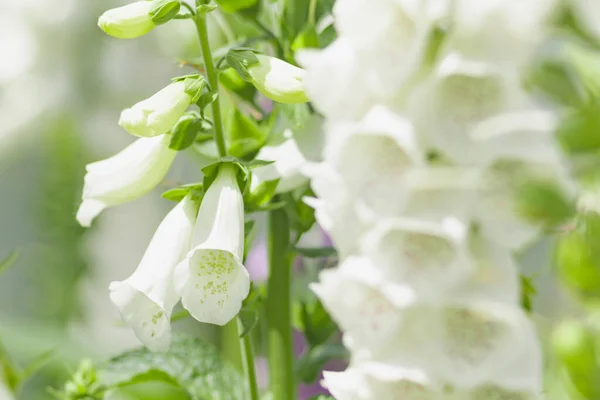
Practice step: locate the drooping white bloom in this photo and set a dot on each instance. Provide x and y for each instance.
(157, 114)
(125, 176)
(128, 22)
(287, 166)
(146, 299)
(278, 80)
(211, 280)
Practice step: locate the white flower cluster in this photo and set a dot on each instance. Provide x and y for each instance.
(430, 141)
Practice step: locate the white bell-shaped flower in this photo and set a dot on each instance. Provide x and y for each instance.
(429, 257)
(146, 299)
(125, 176)
(372, 158)
(128, 22)
(390, 35)
(287, 166)
(211, 280)
(330, 73)
(369, 310)
(481, 342)
(278, 80)
(373, 380)
(460, 94)
(499, 32)
(157, 114)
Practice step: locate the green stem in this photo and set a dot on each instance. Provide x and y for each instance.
(213, 80)
(278, 309)
(312, 10)
(247, 349)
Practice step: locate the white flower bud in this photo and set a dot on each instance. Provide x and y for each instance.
(278, 80)
(212, 281)
(125, 176)
(128, 22)
(146, 299)
(157, 114)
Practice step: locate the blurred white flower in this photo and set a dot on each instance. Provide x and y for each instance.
(127, 22)
(588, 12)
(381, 381)
(278, 80)
(157, 114)
(287, 166)
(429, 257)
(146, 299)
(211, 280)
(125, 176)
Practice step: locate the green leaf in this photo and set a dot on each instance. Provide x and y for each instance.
(262, 194)
(528, 291)
(579, 130)
(249, 319)
(314, 321)
(190, 364)
(297, 114)
(163, 11)
(232, 6)
(151, 390)
(240, 60)
(177, 194)
(322, 397)
(267, 207)
(245, 137)
(543, 202)
(315, 252)
(310, 364)
(307, 38)
(302, 217)
(9, 260)
(206, 8)
(257, 164)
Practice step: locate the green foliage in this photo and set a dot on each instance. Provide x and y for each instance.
(312, 362)
(210, 172)
(245, 136)
(260, 196)
(248, 319)
(528, 291)
(543, 202)
(575, 344)
(9, 260)
(190, 370)
(232, 6)
(315, 252)
(296, 114)
(163, 11)
(185, 131)
(240, 60)
(300, 215)
(578, 256)
(311, 318)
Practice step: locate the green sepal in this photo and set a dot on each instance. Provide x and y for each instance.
(249, 319)
(206, 8)
(257, 163)
(528, 291)
(177, 194)
(163, 11)
(194, 86)
(241, 59)
(184, 132)
(206, 99)
(211, 171)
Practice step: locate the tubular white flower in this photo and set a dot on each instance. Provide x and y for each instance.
(157, 114)
(287, 166)
(211, 280)
(128, 22)
(125, 176)
(278, 80)
(146, 299)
